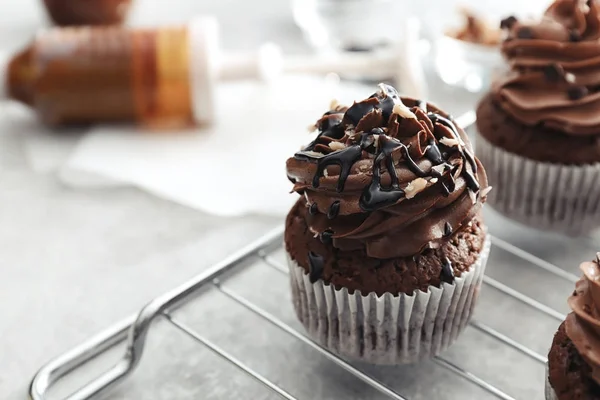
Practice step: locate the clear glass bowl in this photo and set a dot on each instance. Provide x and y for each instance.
(468, 65)
(349, 25)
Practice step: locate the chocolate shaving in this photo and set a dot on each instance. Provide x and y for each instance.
(371, 120)
(322, 148)
(358, 110)
(422, 117)
(393, 127)
(408, 127)
(327, 121)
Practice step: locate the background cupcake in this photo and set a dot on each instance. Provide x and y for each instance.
(387, 246)
(574, 359)
(540, 125)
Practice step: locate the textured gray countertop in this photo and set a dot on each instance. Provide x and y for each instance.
(74, 262)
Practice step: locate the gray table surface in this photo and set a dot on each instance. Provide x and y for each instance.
(73, 262)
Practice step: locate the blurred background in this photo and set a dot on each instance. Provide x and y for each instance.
(99, 215)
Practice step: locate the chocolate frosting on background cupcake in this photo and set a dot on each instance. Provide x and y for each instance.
(555, 69)
(539, 126)
(583, 325)
(574, 359)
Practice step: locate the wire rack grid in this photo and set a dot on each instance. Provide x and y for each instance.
(501, 355)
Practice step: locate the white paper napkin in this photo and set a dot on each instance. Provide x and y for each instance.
(235, 167)
(44, 150)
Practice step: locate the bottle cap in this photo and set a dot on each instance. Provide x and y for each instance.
(4, 61)
(264, 64)
(204, 53)
(208, 65)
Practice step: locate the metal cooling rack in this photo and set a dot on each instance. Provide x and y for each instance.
(236, 321)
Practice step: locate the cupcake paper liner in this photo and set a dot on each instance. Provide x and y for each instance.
(388, 329)
(550, 393)
(544, 195)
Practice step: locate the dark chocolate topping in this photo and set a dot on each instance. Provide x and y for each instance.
(577, 92)
(554, 72)
(447, 274)
(358, 110)
(315, 267)
(447, 229)
(326, 236)
(395, 182)
(334, 210)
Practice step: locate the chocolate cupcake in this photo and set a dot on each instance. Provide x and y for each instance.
(88, 12)
(539, 127)
(574, 359)
(386, 246)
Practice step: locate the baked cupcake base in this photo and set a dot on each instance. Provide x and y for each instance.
(388, 329)
(533, 142)
(356, 270)
(569, 377)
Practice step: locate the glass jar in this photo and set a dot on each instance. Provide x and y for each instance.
(466, 64)
(349, 25)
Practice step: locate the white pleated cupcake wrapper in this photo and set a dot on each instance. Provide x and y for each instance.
(550, 393)
(387, 329)
(544, 195)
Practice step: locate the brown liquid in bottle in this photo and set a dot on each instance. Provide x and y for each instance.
(105, 74)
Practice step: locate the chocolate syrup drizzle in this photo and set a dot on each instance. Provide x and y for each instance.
(316, 264)
(344, 158)
(375, 196)
(329, 126)
(334, 210)
(447, 229)
(447, 274)
(469, 177)
(326, 236)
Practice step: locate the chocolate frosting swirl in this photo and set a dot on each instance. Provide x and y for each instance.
(389, 175)
(555, 69)
(583, 324)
